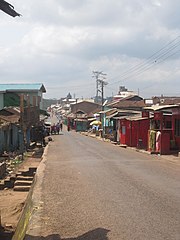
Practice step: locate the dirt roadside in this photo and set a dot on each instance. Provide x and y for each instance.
(12, 202)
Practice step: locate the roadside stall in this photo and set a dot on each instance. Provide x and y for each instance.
(164, 132)
(112, 121)
(134, 131)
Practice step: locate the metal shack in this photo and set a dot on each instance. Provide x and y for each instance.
(164, 132)
(134, 130)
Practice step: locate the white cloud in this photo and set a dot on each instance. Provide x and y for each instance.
(61, 42)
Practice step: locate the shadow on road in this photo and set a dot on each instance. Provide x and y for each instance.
(96, 234)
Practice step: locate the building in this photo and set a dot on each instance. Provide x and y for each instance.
(164, 132)
(124, 93)
(164, 100)
(133, 130)
(29, 99)
(10, 137)
(10, 94)
(82, 113)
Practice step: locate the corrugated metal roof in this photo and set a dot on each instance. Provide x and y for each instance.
(122, 113)
(137, 118)
(109, 110)
(10, 119)
(161, 107)
(11, 115)
(112, 115)
(23, 86)
(127, 104)
(14, 110)
(132, 118)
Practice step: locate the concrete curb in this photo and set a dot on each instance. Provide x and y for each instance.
(32, 202)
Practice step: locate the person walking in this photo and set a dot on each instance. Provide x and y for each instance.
(61, 125)
(158, 141)
(53, 129)
(68, 125)
(57, 128)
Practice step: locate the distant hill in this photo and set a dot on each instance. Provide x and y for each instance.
(48, 102)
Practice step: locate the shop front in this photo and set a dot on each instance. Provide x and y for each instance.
(164, 132)
(134, 132)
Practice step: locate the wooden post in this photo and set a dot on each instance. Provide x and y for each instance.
(28, 108)
(22, 124)
(34, 101)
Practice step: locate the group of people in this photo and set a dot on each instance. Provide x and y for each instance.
(56, 128)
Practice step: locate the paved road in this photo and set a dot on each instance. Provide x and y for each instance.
(93, 190)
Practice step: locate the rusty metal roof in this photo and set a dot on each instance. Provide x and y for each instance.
(10, 119)
(10, 115)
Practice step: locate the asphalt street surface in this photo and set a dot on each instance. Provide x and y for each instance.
(94, 190)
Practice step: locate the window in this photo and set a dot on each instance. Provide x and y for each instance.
(123, 130)
(168, 124)
(155, 125)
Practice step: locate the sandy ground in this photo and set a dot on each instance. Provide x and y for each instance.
(12, 202)
(11, 205)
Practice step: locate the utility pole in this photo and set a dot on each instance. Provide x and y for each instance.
(76, 115)
(100, 83)
(96, 75)
(22, 127)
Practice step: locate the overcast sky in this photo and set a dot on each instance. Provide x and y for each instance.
(60, 42)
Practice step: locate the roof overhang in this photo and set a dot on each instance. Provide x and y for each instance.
(25, 87)
(161, 108)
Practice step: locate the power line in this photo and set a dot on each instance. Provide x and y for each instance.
(152, 60)
(156, 58)
(149, 67)
(146, 61)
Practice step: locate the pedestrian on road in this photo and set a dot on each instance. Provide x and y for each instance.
(61, 125)
(53, 129)
(57, 128)
(68, 127)
(158, 141)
